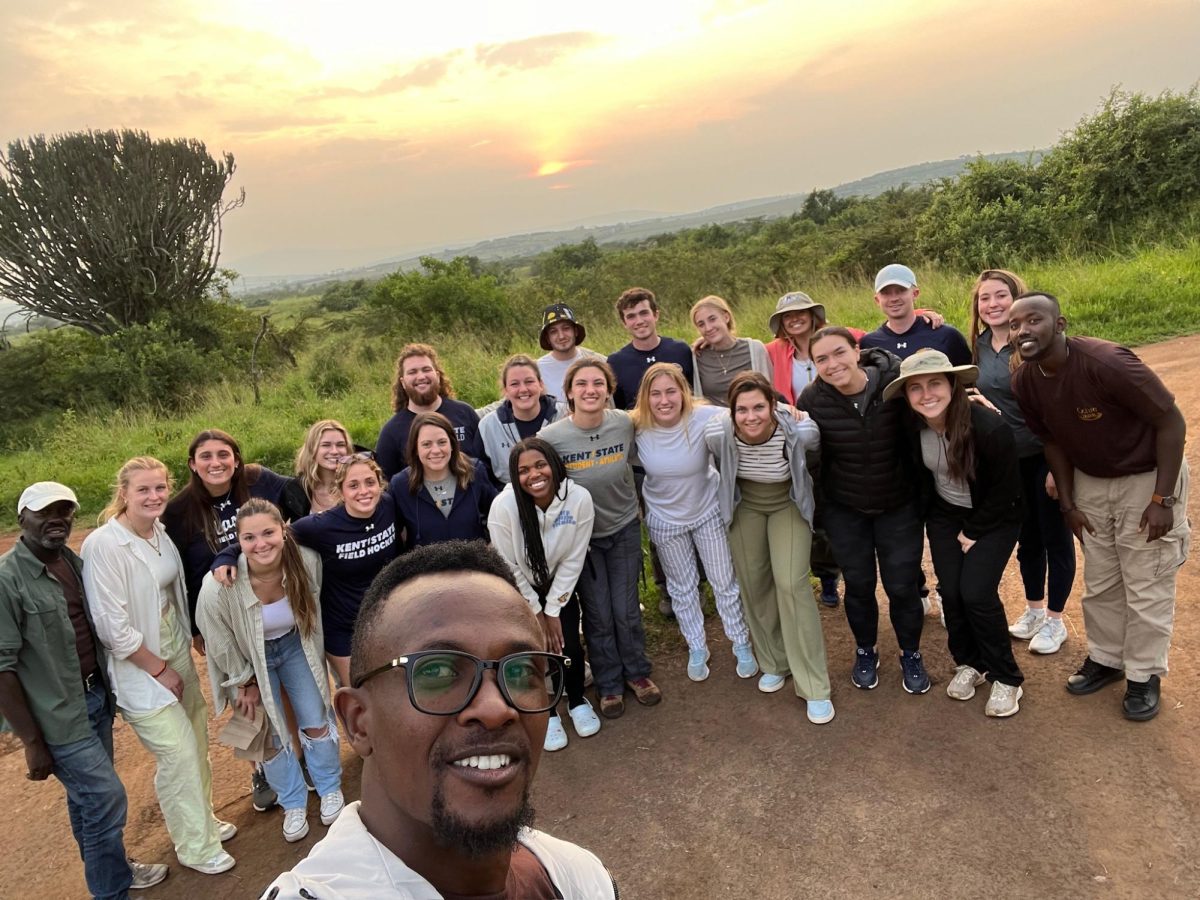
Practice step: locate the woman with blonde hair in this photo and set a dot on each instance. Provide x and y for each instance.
(312, 490)
(264, 637)
(683, 516)
(1045, 551)
(133, 579)
(718, 352)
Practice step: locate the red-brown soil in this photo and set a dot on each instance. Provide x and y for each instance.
(725, 792)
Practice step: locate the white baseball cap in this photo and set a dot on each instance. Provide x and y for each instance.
(42, 493)
(895, 274)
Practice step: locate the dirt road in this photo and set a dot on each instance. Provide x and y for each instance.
(725, 792)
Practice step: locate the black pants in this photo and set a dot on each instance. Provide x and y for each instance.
(894, 538)
(969, 584)
(568, 617)
(1045, 545)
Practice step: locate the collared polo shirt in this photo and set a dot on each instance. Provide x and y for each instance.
(37, 642)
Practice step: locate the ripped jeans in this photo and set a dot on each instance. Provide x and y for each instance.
(288, 669)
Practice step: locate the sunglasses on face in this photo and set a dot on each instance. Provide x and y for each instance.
(362, 455)
(444, 682)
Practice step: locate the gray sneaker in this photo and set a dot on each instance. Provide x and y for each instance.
(146, 875)
(1003, 701)
(962, 685)
(262, 795)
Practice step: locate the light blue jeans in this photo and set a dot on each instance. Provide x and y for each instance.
(288, 669)
(96, 802)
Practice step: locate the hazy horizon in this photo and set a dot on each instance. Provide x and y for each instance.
(364, 132)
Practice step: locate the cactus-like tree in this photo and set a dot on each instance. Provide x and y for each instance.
(105, 229)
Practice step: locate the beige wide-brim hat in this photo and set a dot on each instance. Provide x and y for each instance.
(794, 301)
(928, 362)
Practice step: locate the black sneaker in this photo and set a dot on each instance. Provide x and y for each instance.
(829, 592)
(865, 674)
(262, 796)
(1091, 677)
(664, 605)
(916, 679)
(1141, 699)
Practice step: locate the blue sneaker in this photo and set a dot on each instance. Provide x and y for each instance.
(769, 684)
(865, 674)
(916, 679)
(747, 665)
(820, 711)
(829, 592)
(697, 669)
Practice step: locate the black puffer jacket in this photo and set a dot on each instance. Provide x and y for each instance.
(865, 462)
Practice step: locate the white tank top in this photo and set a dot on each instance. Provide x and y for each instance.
(277, 619)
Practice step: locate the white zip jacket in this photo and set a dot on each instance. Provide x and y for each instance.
(231, 621)
(350, 864)
(122, 593)
(566, 527)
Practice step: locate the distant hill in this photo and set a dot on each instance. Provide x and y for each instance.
(519, 245)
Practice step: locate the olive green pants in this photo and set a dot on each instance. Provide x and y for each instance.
(770, 543)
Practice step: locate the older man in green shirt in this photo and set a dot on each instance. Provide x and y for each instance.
(54, 691)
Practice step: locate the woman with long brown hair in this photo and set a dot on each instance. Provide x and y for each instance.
(971, 488)
(264, 636)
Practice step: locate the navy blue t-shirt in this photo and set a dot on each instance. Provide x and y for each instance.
(352, 553)
(393, 437)
(920, 336)
(630, 364)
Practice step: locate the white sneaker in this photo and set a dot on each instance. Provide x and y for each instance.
(587, 674)
(1049, 637)
(226, 830)
(556, 735)
(295, 824)
(585, 720)
(146, 875)
(331, 806)
(1003, 701)
(769, 684)
(222, 862)
(962, 685)
(1028, 624)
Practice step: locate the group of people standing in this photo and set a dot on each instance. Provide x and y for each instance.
(827, 450)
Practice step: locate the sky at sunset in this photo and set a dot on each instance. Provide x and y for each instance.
(364, 130)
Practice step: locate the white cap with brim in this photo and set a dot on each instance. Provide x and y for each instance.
(795, 301)
(895, 274)
(928, 362)
(41, 494)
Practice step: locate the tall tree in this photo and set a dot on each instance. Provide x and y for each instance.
(104, 229)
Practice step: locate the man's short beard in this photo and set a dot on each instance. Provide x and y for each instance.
(478, 841)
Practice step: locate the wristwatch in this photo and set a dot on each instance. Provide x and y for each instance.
(1164, 502)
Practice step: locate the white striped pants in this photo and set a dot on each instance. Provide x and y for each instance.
(675, 543)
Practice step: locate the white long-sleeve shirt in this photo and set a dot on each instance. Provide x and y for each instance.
(123, 594)
(566, 529)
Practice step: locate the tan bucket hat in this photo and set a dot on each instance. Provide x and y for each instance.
(793, 301)
(928, 362)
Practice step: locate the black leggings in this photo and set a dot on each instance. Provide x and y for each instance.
(568, 617)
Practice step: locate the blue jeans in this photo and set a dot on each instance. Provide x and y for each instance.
(287, 667)
(96, 801)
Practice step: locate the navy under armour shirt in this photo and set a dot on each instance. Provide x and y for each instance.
(630, 364)
(920, 336)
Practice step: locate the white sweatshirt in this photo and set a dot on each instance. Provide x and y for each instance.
(566, 528)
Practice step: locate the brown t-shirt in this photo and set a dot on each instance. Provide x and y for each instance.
(527, 880)
(1098, 407)
(85, 646)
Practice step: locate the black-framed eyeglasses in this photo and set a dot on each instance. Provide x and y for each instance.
(444, 682)
(362, 455)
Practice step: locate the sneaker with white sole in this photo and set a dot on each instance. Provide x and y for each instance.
(588, 681)
(962, 685)
(697, 669)
(747, 664)
(331, 806)
(556, 735)
(295, 824)
(222, 862)
(1003, 701)
(865, 673)
(819, 711)
(585, 720)
(769, 683)
(227, 830)
(1028, 624)
(263, 796)
(146, 875)
(1049, 637)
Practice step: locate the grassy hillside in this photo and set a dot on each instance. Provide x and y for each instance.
(1147, 296)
